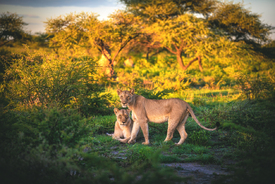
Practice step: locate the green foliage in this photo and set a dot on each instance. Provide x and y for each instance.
(200, 137)
(52, 126)
(37, 80)
(153, 95)
(256, 87)
(11, 28)
(239, 23)
(190, 148)
(169, 159)
(52, 129)
(204, 158)
(6, 59)
(140, 153)
(199, 102)
(165, 9)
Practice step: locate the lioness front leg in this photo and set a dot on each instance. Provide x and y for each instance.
(144, 128)
(134, 132)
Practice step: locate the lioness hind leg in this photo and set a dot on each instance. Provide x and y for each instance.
(181, 130)
(172, 124)
(124, 140)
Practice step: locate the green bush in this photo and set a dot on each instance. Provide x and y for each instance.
(140, 153)
(45, 81)
(53, 126)
(256, 87)
(200, 137)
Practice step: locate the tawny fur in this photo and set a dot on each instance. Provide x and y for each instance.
(123, 125)
(174, 110)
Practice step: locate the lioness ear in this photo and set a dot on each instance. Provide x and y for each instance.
(118, 91)
(116, 110)
(132, 91)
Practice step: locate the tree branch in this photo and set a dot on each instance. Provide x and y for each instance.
(192, 61)
(170, 50)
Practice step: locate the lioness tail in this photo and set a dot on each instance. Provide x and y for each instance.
(197, 121)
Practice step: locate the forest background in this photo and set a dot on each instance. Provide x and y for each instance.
(58, 92)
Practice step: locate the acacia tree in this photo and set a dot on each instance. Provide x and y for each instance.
(188, 35)
(223, 19)
(163, 19)
(154, 10)
(67, 32)
(113, 34)
(11, 28)
(77, 31)
(238, 23)
(145, 43)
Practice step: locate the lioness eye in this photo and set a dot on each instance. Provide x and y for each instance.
(128, 98)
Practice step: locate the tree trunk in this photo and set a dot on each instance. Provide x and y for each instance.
(147, 55)
(106, 62)
(200, 65)
(179, 59)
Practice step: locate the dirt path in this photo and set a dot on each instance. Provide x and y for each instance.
(198, 174)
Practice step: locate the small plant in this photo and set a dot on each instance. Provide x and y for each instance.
(200, 137)
(203, 158)
(190, 148)
(141, 153)
(169, 159)
(153, 94)
(199, 102)
(256, 87)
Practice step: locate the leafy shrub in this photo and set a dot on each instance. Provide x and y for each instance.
(200, 137)
(153, 94)
(39, 80)
(256, 87)
(140, 153)
(198, 102)
(54, 126)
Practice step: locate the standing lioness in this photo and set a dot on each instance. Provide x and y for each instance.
(175, 111)
(123, 125)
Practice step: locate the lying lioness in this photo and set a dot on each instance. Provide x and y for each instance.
(123, 125)
(175, 111)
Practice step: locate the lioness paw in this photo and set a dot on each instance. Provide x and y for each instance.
(145, 143)
(124, 140)
(131, 141)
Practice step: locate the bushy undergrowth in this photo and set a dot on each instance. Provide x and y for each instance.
(55, 113)
(44, 80)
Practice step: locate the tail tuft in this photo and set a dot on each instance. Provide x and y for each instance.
(218, 124)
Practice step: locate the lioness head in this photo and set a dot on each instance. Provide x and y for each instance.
(123, 116)
(125, 96)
